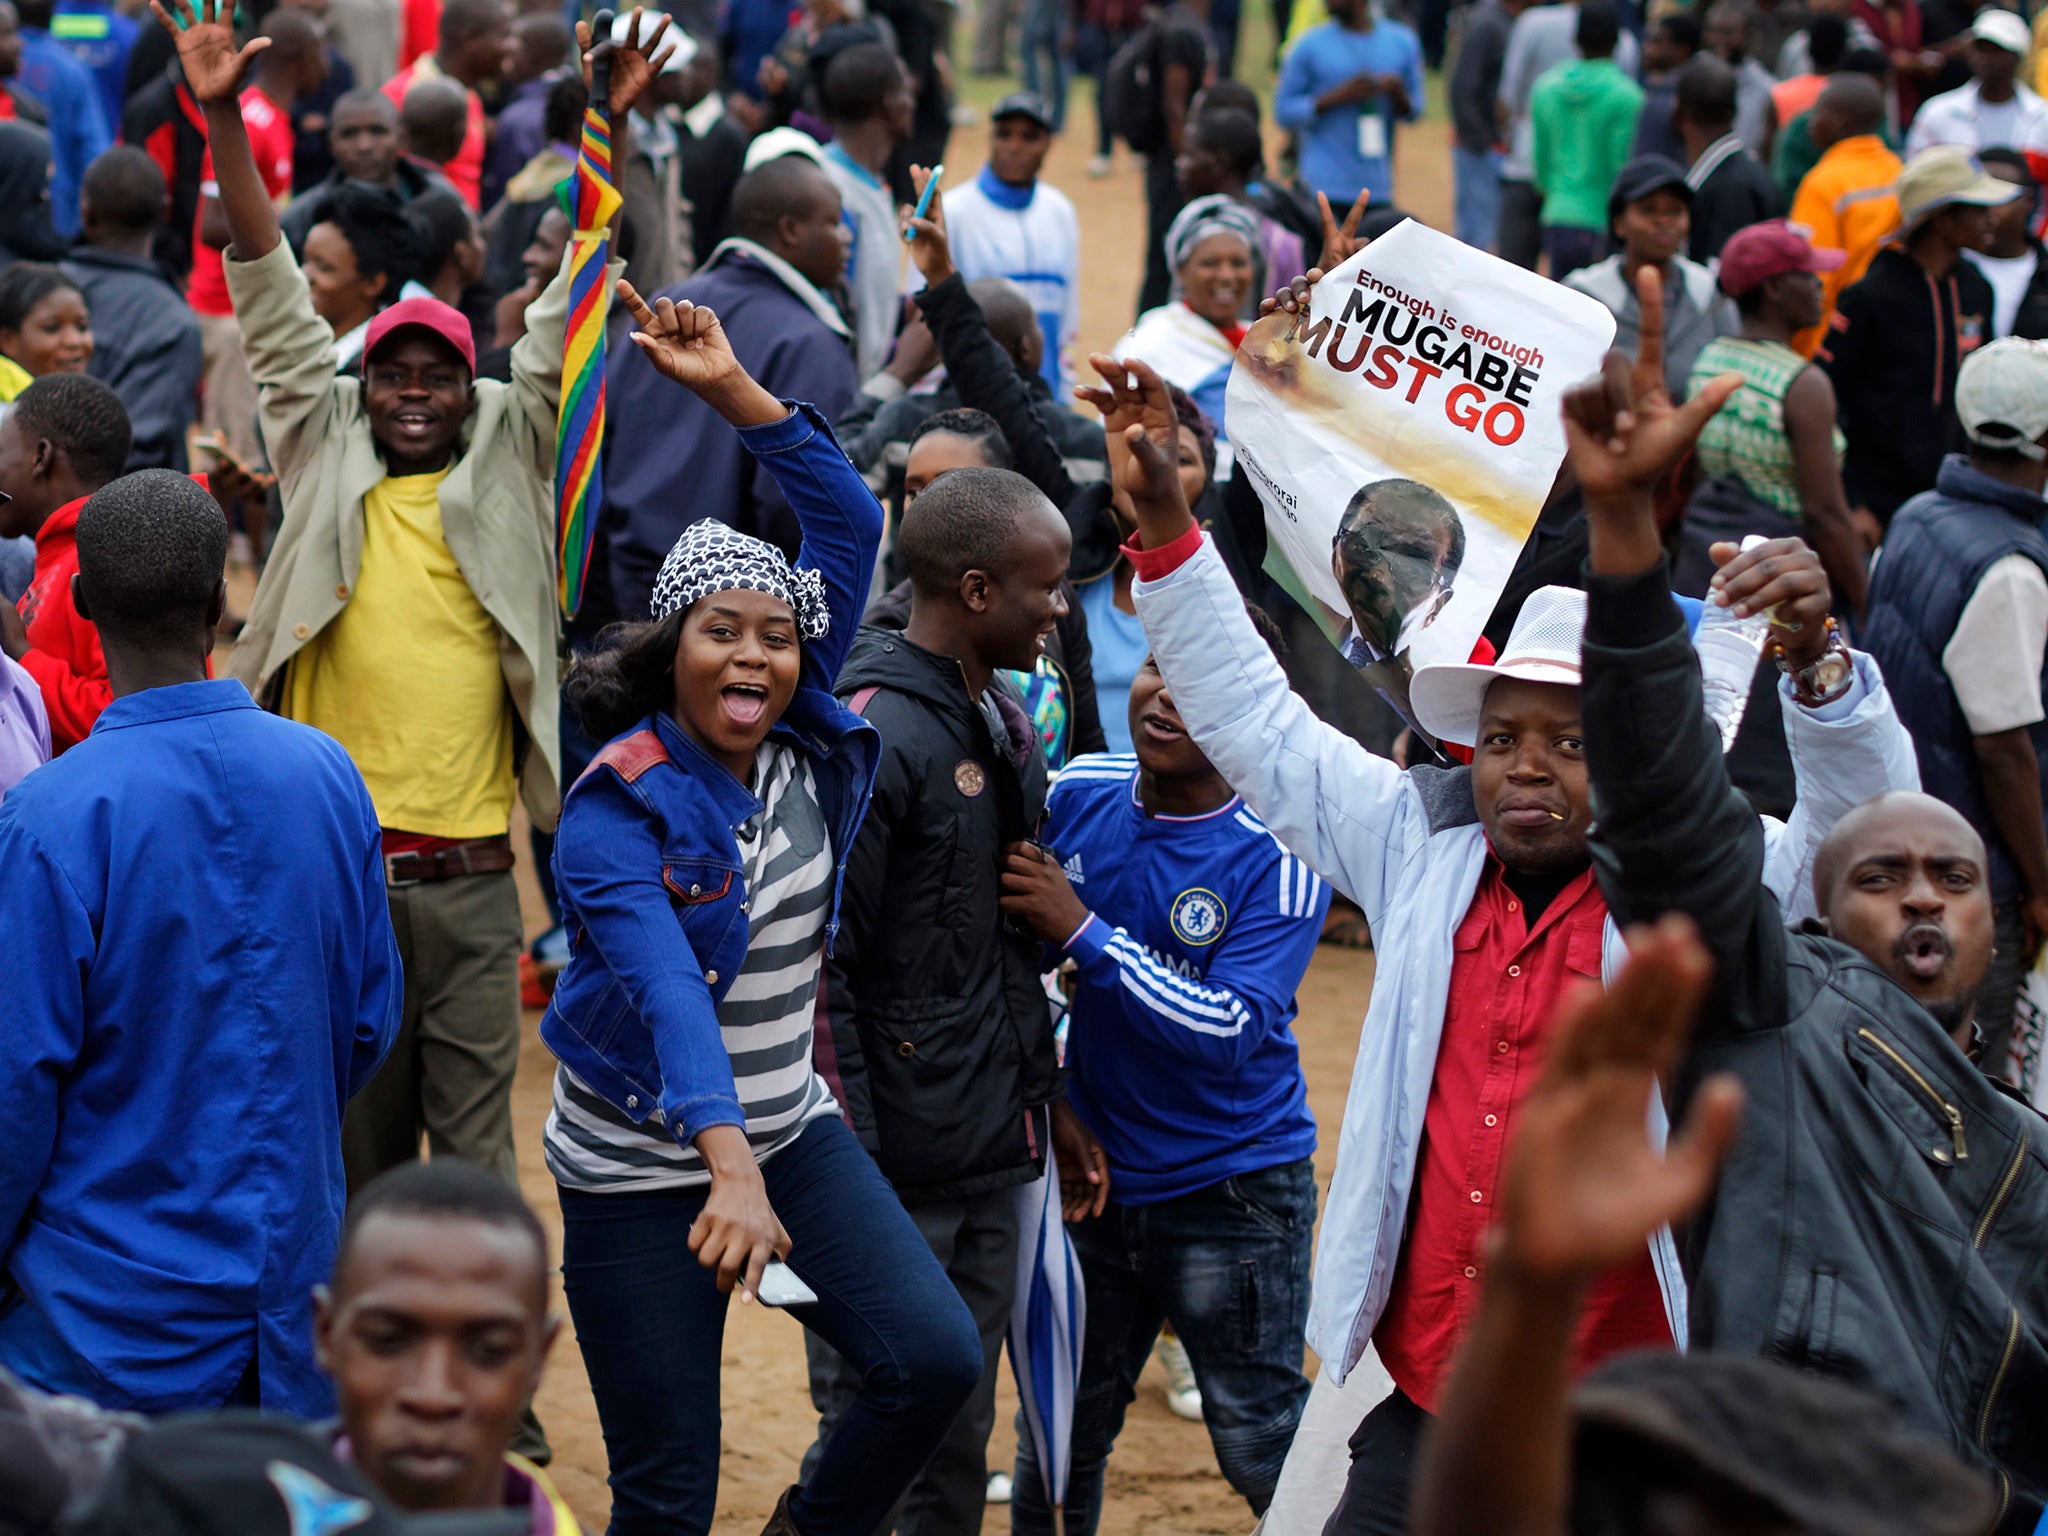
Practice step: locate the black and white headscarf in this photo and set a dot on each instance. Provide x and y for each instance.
(710, 557)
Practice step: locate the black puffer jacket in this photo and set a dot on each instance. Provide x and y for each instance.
(942, 1034)
(1881, 1218)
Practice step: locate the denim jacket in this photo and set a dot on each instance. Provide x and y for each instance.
(646, 860)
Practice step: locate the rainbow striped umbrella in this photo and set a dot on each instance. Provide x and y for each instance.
(590, 200)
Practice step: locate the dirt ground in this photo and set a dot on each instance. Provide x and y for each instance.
(1163, 1480)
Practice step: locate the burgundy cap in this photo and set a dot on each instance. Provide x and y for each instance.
(1765, 250)
(429, 314)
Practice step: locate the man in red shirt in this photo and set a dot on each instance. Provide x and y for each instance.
(475, 41)
(294, 65)
(65, 437)
(1480, 889)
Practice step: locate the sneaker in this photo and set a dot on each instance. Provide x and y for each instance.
(999, 1487)
(1099, 167)
(1183, 1397)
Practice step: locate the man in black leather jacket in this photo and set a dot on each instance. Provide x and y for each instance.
(1880, 1218)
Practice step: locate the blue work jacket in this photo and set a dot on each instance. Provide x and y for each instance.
(647, 863)
(198, 972)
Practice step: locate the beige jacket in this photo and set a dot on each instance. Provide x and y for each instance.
(497, 504)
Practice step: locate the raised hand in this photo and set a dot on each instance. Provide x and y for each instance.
(215, 69)
(931, 250)
(1143, 435)
(1293, 299)
(1583, 1188)
(634, 62)
(686, 343)
(1623, 431)
(1781, 577)
(1340, 241)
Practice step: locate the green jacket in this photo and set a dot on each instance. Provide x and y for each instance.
(1583, 113)
(497, 504)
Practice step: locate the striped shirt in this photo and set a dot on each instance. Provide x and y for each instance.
(765, 1017)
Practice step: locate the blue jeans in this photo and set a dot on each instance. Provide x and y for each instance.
(1046, 69)
(1477, 176)
(651, 1323)
(1228, 1266)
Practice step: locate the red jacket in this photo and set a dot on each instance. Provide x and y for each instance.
(63, 653)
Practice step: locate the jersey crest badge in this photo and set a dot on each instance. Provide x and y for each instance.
(1198, 917)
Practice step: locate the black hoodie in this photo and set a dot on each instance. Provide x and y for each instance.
(1898, 337)
(941, 1031)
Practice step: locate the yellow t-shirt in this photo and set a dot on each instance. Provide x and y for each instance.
(407, 676)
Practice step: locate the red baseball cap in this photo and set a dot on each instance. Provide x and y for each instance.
(1765, 250)
(428, 314)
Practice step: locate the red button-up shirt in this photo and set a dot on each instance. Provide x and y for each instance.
(1506, 979)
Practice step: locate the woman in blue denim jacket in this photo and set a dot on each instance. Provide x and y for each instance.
(699, 863)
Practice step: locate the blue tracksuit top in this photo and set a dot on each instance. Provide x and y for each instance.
(198, 972)
(79, 132)
(1180, 1052)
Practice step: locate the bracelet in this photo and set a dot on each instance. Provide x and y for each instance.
(1824, 679)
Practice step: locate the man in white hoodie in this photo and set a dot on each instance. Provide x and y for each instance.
(1481, 893)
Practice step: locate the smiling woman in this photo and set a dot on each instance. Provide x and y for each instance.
(699, 863)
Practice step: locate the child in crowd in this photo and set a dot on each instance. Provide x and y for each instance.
(700, 866)
(66, 436)
(1189, 927)
(172, 1089)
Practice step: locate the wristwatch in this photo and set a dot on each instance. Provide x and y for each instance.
(1824, 679)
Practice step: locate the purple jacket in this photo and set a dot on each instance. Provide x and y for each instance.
(24, 726)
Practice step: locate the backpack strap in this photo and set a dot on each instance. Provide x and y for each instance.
(862, 698)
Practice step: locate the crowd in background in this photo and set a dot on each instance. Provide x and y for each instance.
(928, 787)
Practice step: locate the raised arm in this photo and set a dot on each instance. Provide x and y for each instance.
(1583, 1188)
(1344, 811)
(840, 518)
(1674, 834)
(630, 67)
(982, 373)
(215, 72)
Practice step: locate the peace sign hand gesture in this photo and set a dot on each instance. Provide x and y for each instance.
(215, 69)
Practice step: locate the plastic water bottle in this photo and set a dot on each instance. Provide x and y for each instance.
(1730, 649)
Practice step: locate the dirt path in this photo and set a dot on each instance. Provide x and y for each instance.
(1163, 1480)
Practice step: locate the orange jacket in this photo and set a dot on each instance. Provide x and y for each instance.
(1849, 200)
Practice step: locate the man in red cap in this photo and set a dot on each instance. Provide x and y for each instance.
(408, 610)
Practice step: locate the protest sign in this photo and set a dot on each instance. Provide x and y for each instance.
(1403, 437)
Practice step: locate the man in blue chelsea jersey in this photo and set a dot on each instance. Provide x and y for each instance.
(1188, 927)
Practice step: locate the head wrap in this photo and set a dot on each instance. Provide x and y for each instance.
(711, 557)
(1215, 214)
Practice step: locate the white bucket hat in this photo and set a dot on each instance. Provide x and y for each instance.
(1543, 647)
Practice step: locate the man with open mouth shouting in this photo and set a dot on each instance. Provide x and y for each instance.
(1879, 1218)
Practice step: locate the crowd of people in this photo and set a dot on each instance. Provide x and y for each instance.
(937, 806)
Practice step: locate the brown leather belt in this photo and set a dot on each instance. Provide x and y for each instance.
(478, 856)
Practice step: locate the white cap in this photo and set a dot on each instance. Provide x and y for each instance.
(686, 45)
(1542, 648)
(2002, 395)
(2002, 29)
(777, 142)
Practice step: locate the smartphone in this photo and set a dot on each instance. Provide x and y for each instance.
(780, 1287)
